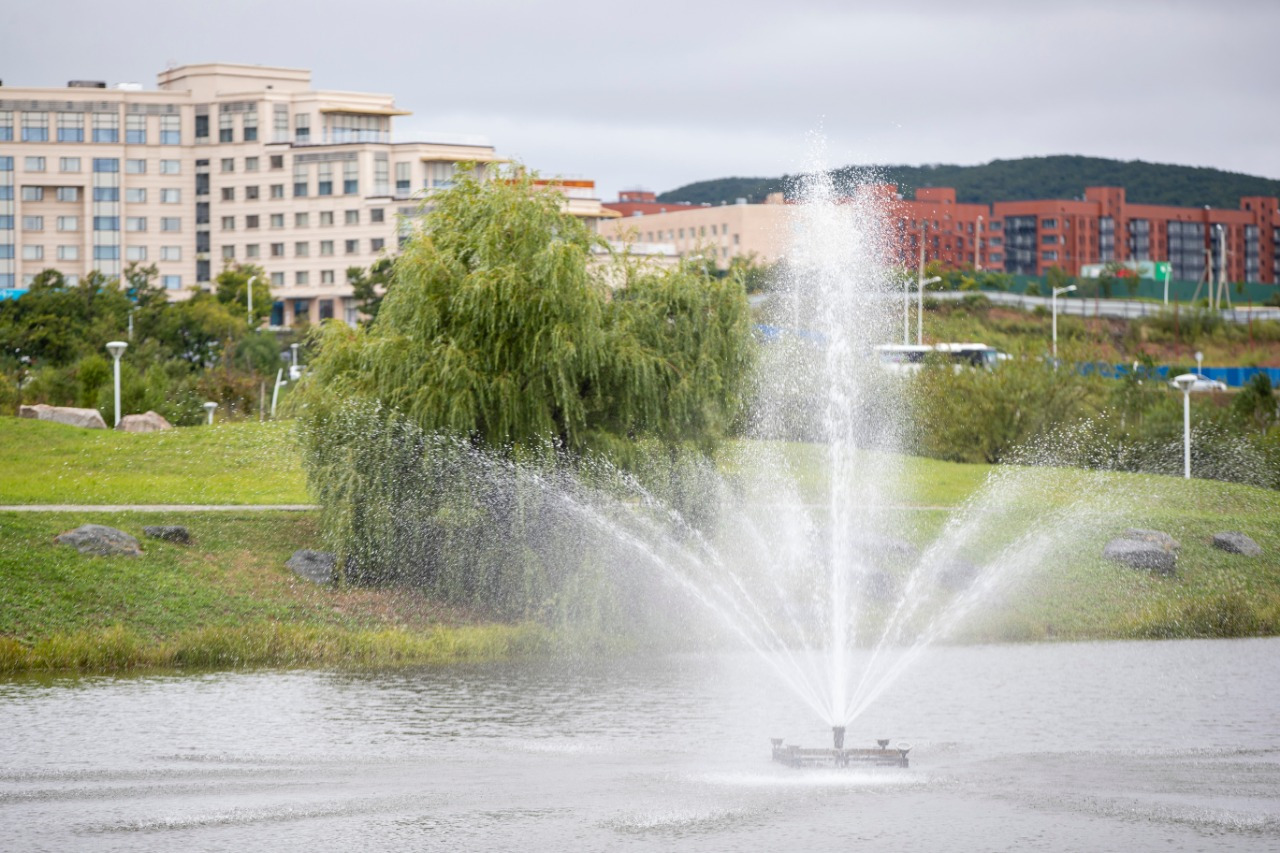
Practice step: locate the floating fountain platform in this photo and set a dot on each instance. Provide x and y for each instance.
(837, 756)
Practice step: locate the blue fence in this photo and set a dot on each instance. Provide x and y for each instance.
(1234, 377)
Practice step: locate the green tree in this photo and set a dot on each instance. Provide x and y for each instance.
(369, 286)
(232, 288)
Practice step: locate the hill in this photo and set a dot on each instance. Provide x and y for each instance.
(1059, 176)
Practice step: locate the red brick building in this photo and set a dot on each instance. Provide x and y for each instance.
(1030, 237)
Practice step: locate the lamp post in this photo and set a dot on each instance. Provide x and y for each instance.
(1185, 382)
(1199, 362)
(117, 348)
(1057, 291)
(209, 407)
(275, 392)
(934, 279)
(252, 279)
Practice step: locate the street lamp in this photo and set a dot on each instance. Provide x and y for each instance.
(920, 306)
(1185, 382)
(252, 279)
(1057, 291)
(1200, 362)
(209, 407)
(117, 348)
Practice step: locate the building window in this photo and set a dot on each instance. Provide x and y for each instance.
(226, 129)
(404, 180)
(33, 193)
(171, 282)
(251, 222)
(106, 253)
(170, 253)
(228, 164)
(106, 193)
(299, 179)
(250, 127)
(302, 128)
(170, 130)
(277, 279)
(106, 127)
(279, 125)
(170, 196)
(35, 127)
(352, 217)
(6, 126)
(377, 214)
(135, 223)
(350, 183)
(68, 194)
(202, 127)
(106, 223)
(301, 249)
(135, 130)
(202, 243)
(277, 162)
(6, 222)
(135, 167)
(106, 165)
(326, 276)
(352, 246)
(277, 190)
(1048, 256)
(170, 223)
(251, 193)
(135, 253)
(228, 253)
(251, 250)
(301, 277)
(135, 195)
(170, 167)
(326, 217)
(33, 164)
(68, 253)
(228, 223)
(377, 244)
(277, 250)
(228, 193)
(33, 223)
(69, 164)
(202, 183)
(301, 220)
(68, 223)
(202, 213)
(326, 247)
(251, 164)
(70, 127)
(277, 220)
(33, 253)
(325, 183)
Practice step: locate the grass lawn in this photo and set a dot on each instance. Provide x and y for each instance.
(225, 599)
(232, 463)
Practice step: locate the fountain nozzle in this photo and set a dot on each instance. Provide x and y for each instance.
(837, 735)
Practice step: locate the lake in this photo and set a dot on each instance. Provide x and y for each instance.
(1094, 746)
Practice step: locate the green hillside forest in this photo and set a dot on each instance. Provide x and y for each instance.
(1060, 176)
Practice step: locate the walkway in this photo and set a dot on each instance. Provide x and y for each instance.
(158, 507)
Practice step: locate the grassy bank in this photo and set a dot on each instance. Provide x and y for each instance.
(232, 463)
(225, 600)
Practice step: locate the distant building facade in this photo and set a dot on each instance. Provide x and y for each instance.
(222, 163)
(1021, 237)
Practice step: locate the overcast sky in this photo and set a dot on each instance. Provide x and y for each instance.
(656, 94)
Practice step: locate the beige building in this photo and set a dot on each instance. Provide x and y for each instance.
(722, 231)
(222, 163)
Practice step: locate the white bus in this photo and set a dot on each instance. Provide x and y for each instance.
(906, 358)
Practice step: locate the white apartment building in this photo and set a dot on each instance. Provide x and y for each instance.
(722, 232)
(222, 163)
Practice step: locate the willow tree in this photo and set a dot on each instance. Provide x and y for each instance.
(509, 327)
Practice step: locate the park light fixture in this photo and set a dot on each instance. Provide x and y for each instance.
(209, 407)
(252, 279)
(924, 282)
(1057, 291)
(1185, 383)
(117, 348)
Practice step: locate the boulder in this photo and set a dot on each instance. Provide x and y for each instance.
(1155, 537)
(149, 422)
(1236, 543)
(169, 533)
(958, 574)
(315, 566)
(100, 540)
(879, 550)
(87, 418)
(1141, 554)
